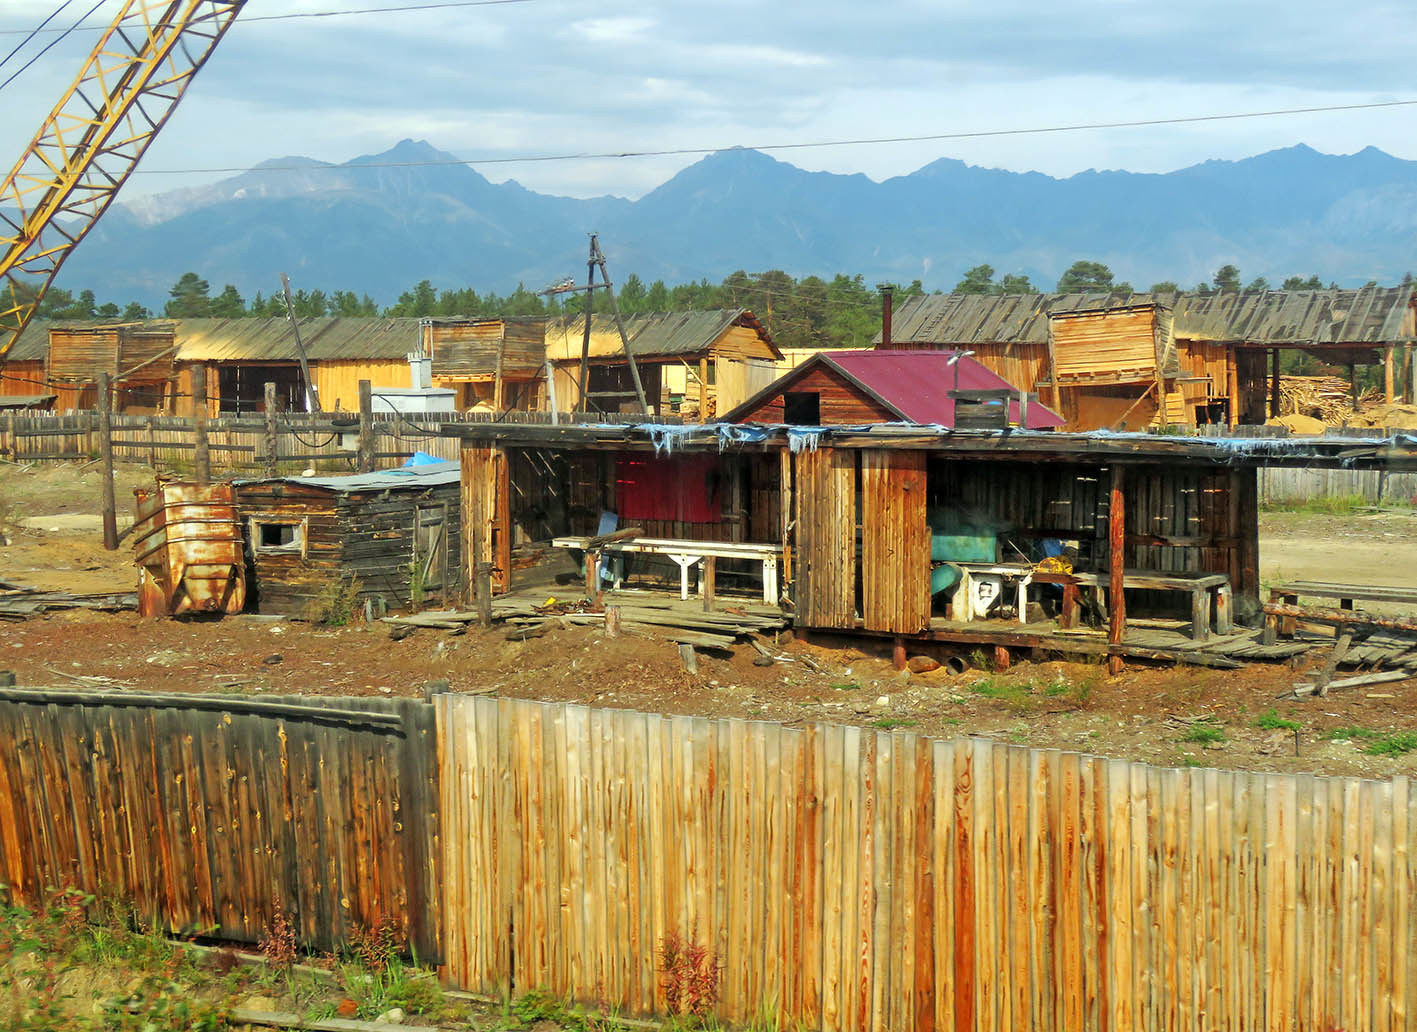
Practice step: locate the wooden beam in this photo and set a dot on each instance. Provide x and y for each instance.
(1274, 383)
(1389, 384)
(1117, 543)
(105, 454)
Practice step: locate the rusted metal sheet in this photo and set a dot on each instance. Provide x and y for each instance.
(188, 550)
(210, 812)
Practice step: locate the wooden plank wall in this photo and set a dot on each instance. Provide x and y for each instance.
(895, 542)
(1109, 346)
(825, 567)
(852, 879)
(207, 820)
(841, 403)
(487, 524)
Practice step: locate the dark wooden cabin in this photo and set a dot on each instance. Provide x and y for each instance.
(864, 516)
(388, 538)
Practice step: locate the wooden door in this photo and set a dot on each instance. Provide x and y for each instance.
(825, 507)
(430, 549)
(895, 542)
(486, 505)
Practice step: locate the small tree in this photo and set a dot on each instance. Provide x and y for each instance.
(189, 298)
(978, 280)
(1083, 277)
(1226, 279)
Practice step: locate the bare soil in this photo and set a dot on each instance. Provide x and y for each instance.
(1147, 713)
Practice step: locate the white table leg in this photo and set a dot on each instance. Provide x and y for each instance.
(962, 605)
(770, 581)
(684, 561)
(1023, 583)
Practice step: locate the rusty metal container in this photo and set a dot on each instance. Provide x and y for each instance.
(189, 550)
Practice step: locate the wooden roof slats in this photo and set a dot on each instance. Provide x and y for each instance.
(1369, 315)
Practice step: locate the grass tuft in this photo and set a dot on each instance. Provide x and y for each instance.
(1270, 720)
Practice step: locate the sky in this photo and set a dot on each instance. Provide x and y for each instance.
(543, 77)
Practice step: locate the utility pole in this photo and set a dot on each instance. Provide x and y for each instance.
(312, 396)
(597, 258)
(105, 453)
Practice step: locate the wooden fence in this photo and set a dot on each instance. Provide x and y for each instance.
(1378, 487)
(856, 879)
(239, 443)
(208, 812)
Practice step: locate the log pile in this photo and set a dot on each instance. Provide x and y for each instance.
(1321, 397)
(18, 602)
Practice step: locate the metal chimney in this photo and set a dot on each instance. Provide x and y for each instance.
(420, 371)
(887, 304)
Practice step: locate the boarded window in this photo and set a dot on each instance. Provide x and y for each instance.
(277, 536)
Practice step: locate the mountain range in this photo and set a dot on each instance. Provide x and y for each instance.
(380, 223)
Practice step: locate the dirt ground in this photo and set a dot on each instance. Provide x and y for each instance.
(1166, 715)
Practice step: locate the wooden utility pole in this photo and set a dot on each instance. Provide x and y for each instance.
(1117, 544)
(599, 259)
(365, 460)
(312, 396)
(202, 455)
(581, 401)
(270, 414)
(105, 454)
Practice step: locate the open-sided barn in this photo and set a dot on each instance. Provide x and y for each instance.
(1133, 360)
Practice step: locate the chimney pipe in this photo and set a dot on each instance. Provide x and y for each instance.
(887, 304)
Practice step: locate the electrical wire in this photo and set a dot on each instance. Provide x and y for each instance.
(862, 142)
(50, 45)
(247, 20)
(34, 32)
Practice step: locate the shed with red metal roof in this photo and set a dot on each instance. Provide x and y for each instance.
(845, 388)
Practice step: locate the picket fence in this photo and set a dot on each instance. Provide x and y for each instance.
(846, 878)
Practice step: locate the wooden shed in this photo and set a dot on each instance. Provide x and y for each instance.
(389, 539)
(1128, 361)
(140, 359)
(692, 364)
(865, 519)
(843, 388)
(496, 363)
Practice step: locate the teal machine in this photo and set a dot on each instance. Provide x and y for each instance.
(956, 537)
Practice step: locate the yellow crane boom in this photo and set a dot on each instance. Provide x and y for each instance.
(94, 138)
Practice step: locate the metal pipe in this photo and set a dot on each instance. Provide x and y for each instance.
(887, 309)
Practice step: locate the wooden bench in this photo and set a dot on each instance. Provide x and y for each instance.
(685, 554)
(1202, 587)
(1282, 613)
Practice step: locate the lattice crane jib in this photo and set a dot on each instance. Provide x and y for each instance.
(84, 152)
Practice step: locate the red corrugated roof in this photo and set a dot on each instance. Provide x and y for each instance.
(917, 384)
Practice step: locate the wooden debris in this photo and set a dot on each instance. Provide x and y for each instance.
(278, 1019)
(688, 658)
(1353, 682)
(18, 602)
(1340, 648)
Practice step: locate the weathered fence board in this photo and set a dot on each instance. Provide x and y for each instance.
(856, 879)
(208, 819)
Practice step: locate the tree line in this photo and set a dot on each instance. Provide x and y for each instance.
(811, 312)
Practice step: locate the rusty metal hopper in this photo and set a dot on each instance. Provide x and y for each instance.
(189, 550)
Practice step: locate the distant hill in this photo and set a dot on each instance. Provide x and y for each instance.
(1349, 218)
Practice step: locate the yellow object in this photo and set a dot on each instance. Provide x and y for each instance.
(550, 601)
(1054, 564)
(94, 138)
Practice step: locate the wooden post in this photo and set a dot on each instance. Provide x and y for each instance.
(1116, 540)
(710, 572)
(1002, 657)
(1274, 383)
(105, 454)
(202, 454)
(898, 652)
(1353, 385)
(1389, 386)
(365, 461)
(482, 579)
(271, 405)
(612, 621)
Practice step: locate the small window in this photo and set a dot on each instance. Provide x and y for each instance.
(278, 536)
(802, 408)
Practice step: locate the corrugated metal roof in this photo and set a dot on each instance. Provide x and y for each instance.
(915, 385)
(1370, 315)
(651, 334)
(432, 474)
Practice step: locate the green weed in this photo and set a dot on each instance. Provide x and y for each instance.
(1340, 505)
(1270, 720)
(846, 686)
(1013, 694)
(396, 985)
(1202, 733)
(1399, 744)
(891, 723)
(1356, 734)
(336, 603)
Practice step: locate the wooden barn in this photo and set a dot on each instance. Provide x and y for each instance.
(495, 364)
(912, 533)
(940, 388)
(1129, 361)
(692, 364)
(387, 539)
(140, 359)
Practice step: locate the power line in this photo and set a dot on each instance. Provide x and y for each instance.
(34, 32)
(869, 141)
(50, 45)
(243, 20)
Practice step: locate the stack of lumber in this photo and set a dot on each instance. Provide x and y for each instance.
(18, 602)
(639, 613)
(1323, 397)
